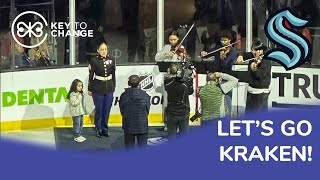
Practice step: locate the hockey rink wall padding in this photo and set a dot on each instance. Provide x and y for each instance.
(36, 99)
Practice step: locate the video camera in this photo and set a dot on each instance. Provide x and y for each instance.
(184, 74)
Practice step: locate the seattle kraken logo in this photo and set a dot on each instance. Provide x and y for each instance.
(293, 49)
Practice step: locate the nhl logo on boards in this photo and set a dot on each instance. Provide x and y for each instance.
(146, 82)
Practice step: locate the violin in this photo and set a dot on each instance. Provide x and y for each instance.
(254, 65)
(224, 52)
(180, 51)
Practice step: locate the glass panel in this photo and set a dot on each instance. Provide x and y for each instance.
(211, 16)
(260, 9)
(33, 43)
(179, 16)
(5, 35)
(61, 14)
(128, 26)
(239, 25)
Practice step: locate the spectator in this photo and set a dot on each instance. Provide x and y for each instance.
(136, 45)
(35, 55)
(22, 60)
(40, 57)
(45, 59)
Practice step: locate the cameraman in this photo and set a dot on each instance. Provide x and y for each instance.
(178, 89)
(212, 96)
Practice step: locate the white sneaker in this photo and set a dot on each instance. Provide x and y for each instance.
(83, 138)
(157, 141)
(79, 139)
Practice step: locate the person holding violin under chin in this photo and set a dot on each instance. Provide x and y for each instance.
(172, 52)
(224, 58)
(224, 55)
(259, 77)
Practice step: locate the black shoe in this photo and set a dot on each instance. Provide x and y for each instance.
(105, 134)
(99, 134)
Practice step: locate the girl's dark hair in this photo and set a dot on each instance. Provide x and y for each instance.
(101, 42)
(176, 33)
(73, 87)
(258, 45)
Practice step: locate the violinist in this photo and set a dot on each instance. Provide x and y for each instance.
(172, 52)
(259, 77)
(224, 58)
(224, 55)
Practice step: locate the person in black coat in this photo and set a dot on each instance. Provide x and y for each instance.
(134, 107)
(102, 82)
(178, 108)
(258, 77)
(22, 60)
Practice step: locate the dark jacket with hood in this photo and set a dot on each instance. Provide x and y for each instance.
(134, 107)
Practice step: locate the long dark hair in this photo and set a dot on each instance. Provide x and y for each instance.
(73, 87)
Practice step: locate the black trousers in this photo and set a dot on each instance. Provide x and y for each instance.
(257, 102)
(175, 122)
(129, 139)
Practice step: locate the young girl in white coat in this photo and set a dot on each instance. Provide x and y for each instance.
(76, 107)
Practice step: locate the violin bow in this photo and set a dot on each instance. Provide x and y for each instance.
(252, 58)
(221, 48)
(184, 37)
